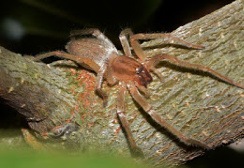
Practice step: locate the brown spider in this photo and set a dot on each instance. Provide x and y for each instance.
(93, 50)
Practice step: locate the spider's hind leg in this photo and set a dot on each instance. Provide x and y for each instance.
(61, 54)
(167, 38)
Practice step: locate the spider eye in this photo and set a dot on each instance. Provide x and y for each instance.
(143, 76)
(140, 70)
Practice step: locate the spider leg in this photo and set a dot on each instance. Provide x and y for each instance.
(164, 57)
(157, 118)
(136, 151)
(123, 37)
(99, 81)
(143, 90)
(81, 60)
(78, 59)
(166, 37)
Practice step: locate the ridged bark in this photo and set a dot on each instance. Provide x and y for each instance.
(197, 104)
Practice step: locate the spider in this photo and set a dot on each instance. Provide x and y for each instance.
(91, 49)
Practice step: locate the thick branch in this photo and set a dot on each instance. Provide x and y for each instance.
(198, 105)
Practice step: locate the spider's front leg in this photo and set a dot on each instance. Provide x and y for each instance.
(167, 38)
(157, 118)
(123, 37)
(135, 150)
(150, 64)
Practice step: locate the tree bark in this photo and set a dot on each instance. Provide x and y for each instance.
(197, 104)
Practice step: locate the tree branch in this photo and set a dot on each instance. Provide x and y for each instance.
(198, 105)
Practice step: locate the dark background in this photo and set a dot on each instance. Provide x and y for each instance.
(34, 26)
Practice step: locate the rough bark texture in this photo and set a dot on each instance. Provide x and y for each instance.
(196, 104)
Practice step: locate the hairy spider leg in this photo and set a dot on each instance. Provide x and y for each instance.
(123, 37)
(78, 59)
(151, 65)
(99, 81)
(136, 151)
(167, 39)
(127, 35)
(157, 118)
(164, 57)
(81, 60)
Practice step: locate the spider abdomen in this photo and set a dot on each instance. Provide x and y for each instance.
(92, 48)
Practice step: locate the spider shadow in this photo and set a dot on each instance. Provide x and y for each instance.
(167, 45)
(192, 71)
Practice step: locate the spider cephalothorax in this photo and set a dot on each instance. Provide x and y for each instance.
(127, 69)
(93, 50)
